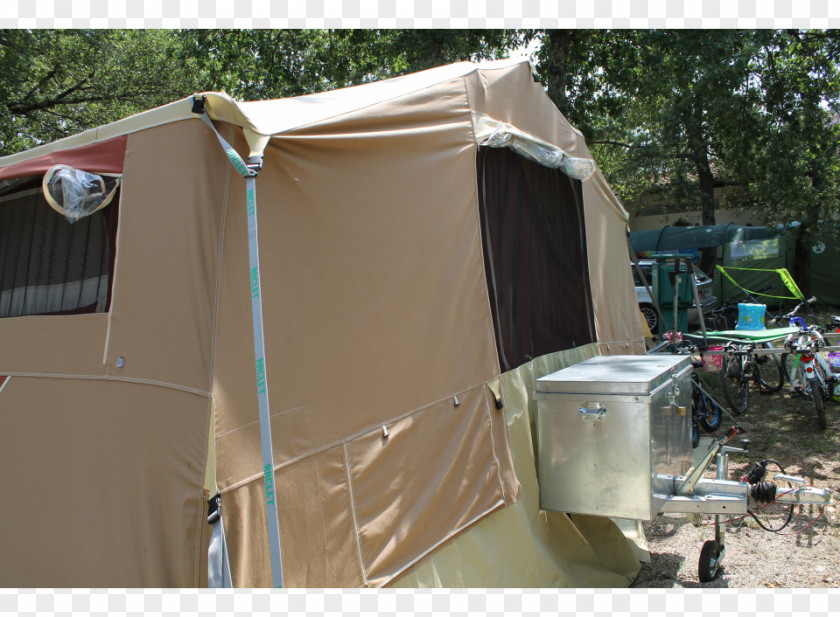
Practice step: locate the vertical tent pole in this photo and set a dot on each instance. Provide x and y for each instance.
(249, 171)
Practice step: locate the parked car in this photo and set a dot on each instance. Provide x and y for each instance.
(708, 301)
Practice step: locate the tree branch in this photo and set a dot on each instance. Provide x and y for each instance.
(609, 142)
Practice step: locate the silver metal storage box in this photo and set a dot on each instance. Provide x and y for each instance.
(613, 432)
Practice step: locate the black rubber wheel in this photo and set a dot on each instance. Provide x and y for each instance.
(788, 360)
(710, 414)
(709, 565)
(819, 403)
(828, 384)
(770, 372)
(651, 317)
(735, 383)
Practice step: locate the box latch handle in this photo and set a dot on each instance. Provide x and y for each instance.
(594, 413)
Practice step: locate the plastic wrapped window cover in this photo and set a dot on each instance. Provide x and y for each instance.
(495, 134)
(76, 193)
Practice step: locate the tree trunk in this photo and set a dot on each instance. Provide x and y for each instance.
(802, 254)
(802, 259)
(700, 157)
(556, 50)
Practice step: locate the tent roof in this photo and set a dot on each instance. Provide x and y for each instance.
(271, 117)
(671, 238)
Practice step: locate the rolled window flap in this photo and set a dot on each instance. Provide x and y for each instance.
(495, 134)
(495, 387)
(75, 193)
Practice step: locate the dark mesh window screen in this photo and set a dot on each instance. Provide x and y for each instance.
(47, 265)
(535, 257)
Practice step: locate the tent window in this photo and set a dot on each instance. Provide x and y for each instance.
(535, 257)
(48, 265)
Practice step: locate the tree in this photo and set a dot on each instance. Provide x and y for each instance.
(55, 83)
(795, 165)
(676, 115)
(261, 64)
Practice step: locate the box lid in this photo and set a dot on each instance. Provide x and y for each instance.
(633, 375)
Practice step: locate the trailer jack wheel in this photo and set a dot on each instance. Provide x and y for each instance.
(710, 558)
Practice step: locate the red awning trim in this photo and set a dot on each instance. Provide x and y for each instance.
(102, 157)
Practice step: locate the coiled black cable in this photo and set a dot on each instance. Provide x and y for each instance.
(765, 492)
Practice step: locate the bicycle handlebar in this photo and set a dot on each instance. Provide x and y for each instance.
(791, 316)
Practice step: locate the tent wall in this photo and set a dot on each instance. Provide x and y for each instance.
(376, 314)
(515, 97)
(382, 361)
(825, 275)
(617, 324)
(376, 301)
(102, 483)
(104, 459)
(521, 545)
(751, 248)
(535, 257)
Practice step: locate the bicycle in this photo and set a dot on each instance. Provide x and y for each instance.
(808, 372)
(744, 362)
(770, 373)
(725, 316)
(737, 372)
(706, 412)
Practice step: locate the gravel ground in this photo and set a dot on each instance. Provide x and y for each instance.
(806, 553)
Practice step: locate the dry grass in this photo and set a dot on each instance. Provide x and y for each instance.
(785, 429)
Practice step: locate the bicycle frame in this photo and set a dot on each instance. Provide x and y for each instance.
(806, 347)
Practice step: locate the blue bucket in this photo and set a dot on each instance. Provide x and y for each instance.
(750, 316)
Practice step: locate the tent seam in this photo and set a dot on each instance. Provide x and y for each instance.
(498, 505)
(219, 262)
(489, 412)
(353, 511)
(346, 440)
(145, 382)
(114, 274)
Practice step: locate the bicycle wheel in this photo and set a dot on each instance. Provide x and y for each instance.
(735, 382)
(827, 382)
(819, 403)
(788, 361)
(710, 415)
(822, 388)
(770, 373)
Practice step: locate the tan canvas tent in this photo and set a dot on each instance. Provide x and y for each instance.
(428, 246)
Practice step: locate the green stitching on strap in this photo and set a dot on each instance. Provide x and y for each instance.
(238, 163)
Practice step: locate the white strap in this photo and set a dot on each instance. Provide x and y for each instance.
(218, 564)
(249, 171)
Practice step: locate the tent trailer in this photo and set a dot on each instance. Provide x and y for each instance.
(429, 246)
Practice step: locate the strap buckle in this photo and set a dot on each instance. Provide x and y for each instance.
(198, 104)
(254, 164)
(214, 508)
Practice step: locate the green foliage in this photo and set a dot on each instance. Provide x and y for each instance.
(261, 64)
(55, 83)
(671, 116)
